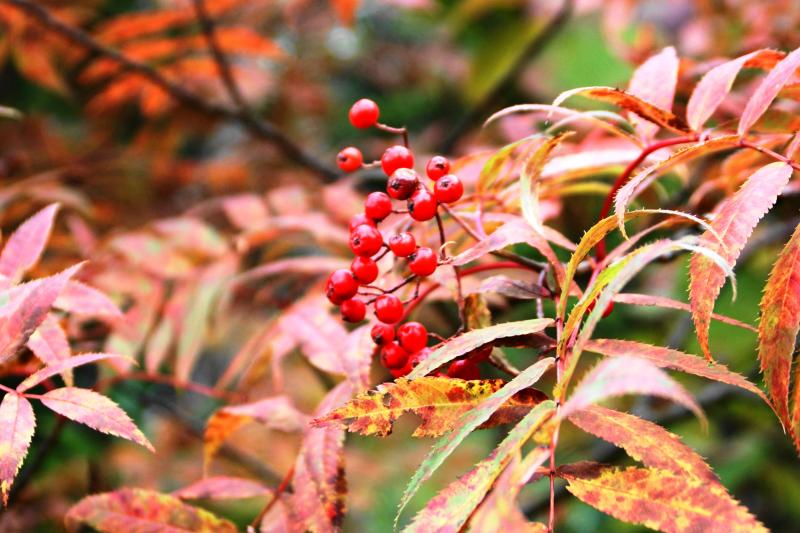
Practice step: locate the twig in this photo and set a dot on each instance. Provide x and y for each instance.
(278, 492)
(256, 126)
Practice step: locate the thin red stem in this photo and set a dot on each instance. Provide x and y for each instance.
(278, 492)
(171, 381)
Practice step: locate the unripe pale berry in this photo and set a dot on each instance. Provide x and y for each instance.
(359, 219)
(437, 167)
(350, 159)
(343, 283)
(402, 244)
(448, 189)
(395, 157)
(422, 206)
(365, 240)
(423, 262)
(412, 336)
(382, 334)
(364, 113)
(388, 308)
(378, 206)
(364, 270)
(353, 310)
(393, 356)
(402, 184)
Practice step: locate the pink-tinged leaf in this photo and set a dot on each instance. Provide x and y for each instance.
(357, 356)
(654, 81)
(627, 375)
(142, 511)
(450, 509)
(768, 90)
(131, 330)
(712, 89)
(31, 310)
(246, 211)
(96, 411)
(659, 499)
(649, 300)
(81, 299)
(278, 519)
(777, 332)
(644, 441)
(153, 255)
(734, 223)
(320, 486)
(26, 244)
(17, 424)
(674, 360)
(50, 344)
(61, 366)
(222, 488)
(321, 336)
(192, 235)
(305, 265)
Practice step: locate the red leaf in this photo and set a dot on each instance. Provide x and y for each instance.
(26, 244)
(96, 411)
(734, 223)
(222, 488)
(17, 424)
(768, 90)
(61, 366)
(654, 81)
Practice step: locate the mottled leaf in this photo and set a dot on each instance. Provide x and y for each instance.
(26, 244)
(658, 499)
(766, 92)
(142, 511)
(654, 81)
(222, 488)
(94, 410)
(61, 366)
(17, 424)
(734, 223)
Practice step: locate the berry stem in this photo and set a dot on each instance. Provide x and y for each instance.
(400, 131)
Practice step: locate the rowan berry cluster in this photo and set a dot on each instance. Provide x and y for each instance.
(401, 347)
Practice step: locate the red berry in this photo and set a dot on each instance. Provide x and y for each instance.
(464, 369)
(343, 284)
(480, 354)
(399, 372)
(364, 270)
(448, 189)
(395, 157)
(437, 167)
(360, 219)
(334, 298)
(382, 334)
(608, 311)
(350, 159)
(412, 336)
(353, 310)
(415, 358)
(402, 184)
(389, 308)
(365, 240)
(423, 262)
(402, 244)
(422, 206)
(393, 356)
(378, 206)
(364, 113)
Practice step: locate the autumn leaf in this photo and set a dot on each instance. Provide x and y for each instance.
(649, 300)
(734, 223)
(49, 343)
(658, 499)
(438, 401)
(529, 181)
(61, 366)
(142, 510)
(777, 332)
(81, 299)
(766, 92)
(222, 488)
(26, 244)
(94, 410)
(654, 81)
(17, 424)
(192, 235)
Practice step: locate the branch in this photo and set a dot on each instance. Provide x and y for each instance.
(258, 127)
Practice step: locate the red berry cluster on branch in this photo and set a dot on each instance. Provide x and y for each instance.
(401, 347)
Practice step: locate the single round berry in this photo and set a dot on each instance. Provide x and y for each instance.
(608, 310)
(364, 113)
(395, 157)
(388, 308)
(382, 334)
(378, 206)
(481, 354)
(416, 358)
(423, 262)
(350, 159)
(343, 283)
(334, 298)
(421, 205)
(364, 270)
(353, 310)
(402, 184)
(365, 240)
(437, 167)
(402, 244)
(359, 219)
(448, 189)
(412, 336)
(464, 369)
(393, 356)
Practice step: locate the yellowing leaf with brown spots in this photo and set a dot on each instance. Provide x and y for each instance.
(142, 511)
(659, 499)
(439, 401)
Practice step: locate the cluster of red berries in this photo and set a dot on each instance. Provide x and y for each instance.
(403, 347)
